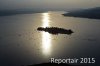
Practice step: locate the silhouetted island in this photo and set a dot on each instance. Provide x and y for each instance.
(55, 30)
(92, 13)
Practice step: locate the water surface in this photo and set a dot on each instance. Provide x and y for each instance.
(22, 44)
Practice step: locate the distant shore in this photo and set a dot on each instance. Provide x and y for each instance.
(93, 13)
(15, 12)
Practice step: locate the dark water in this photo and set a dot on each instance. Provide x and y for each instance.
(22, 44)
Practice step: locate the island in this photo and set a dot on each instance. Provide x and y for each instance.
(55, 30)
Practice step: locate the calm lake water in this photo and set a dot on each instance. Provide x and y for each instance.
(22, 44)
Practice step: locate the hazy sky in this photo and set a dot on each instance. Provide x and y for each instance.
(48, 4)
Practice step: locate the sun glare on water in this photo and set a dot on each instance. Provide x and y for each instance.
(46, 41)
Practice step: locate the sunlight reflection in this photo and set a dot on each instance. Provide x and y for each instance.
(46, 19)
(46, 41)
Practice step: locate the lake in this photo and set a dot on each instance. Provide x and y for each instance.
(22, 44)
